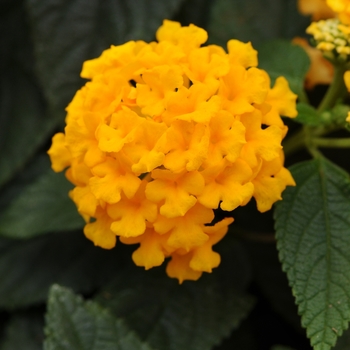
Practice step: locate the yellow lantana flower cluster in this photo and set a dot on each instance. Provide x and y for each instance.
(165, 132)
(332, 38)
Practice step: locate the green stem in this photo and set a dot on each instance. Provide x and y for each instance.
(335, 90)
(311, 147)
(307, 136)
(331, 143)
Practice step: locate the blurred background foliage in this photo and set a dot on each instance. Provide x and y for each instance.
(245, 304)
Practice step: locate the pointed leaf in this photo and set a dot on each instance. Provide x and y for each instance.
(194, 315)
(44, 206)
(313, 225)
(72, 324)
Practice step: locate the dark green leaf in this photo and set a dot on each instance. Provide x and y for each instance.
(28, 268)
(255, 21)
(313, 225)
(194, 315)
(24, 125)
(308, 115)
(44, 206)
(24, 331)
(68, 32)
(37, 167)
(282, 58)
(72, 324)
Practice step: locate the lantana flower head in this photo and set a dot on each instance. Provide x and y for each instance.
(164, 133)
(332, 38)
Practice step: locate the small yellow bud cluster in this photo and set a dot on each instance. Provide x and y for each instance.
(332, 38)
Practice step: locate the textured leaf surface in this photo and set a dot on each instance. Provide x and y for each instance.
(68, 32)
(28, 268)
(288, 60)
(44, 206)
(169, 316)
(24, 331)
(313, 226)
(72, 324)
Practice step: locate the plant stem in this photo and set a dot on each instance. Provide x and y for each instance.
(331, 143)
(335, 90)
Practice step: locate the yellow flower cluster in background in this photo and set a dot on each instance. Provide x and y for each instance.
(332, 38)
(332, 33)
(165, 132)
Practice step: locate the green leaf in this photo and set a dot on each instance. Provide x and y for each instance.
(308, 115)
(313, 225)
(255, 21)
(194, 315)
(24, 124)
(43, 206)
(72, 324)
(282, 58)
(24, 331)
(28, 268)
(68, 32)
